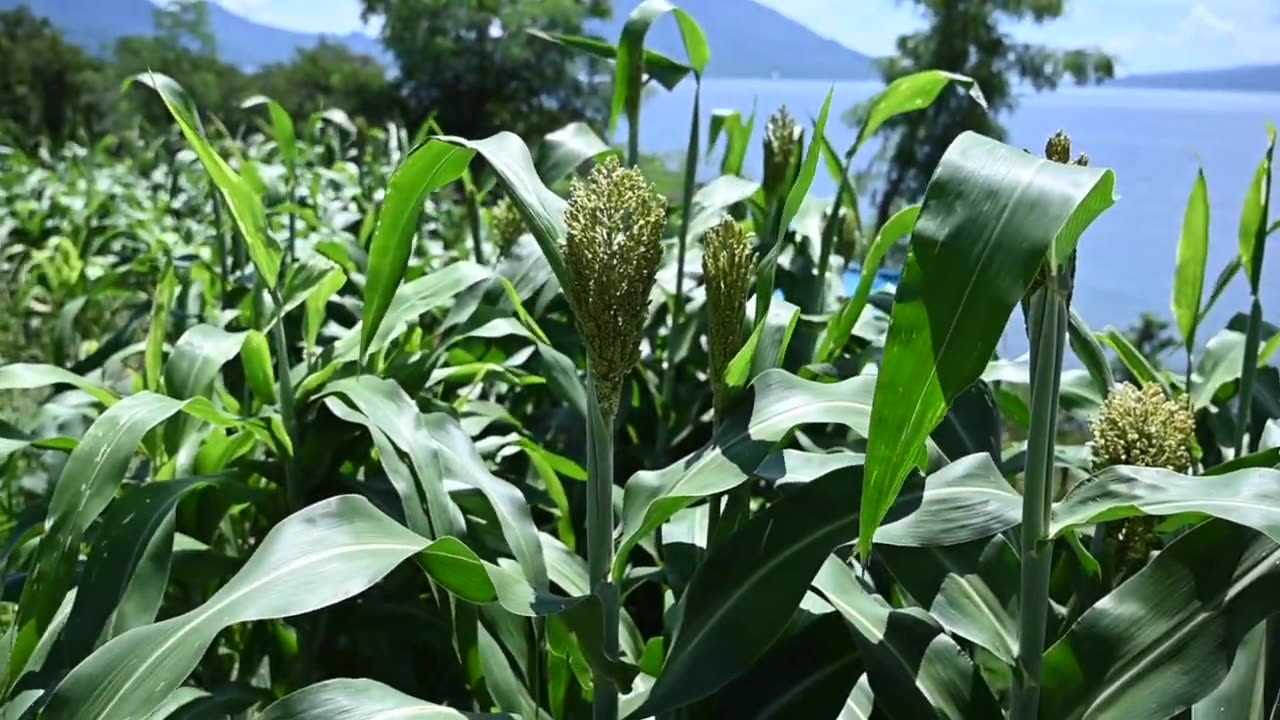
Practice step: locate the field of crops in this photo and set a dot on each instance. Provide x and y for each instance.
(320, 422)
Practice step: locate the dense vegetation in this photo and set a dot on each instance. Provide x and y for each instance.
(318, 421)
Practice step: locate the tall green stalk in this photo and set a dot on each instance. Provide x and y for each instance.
(1248, 371)
(677, 310)
(293, 489)
(600, 547)
(1047, 325)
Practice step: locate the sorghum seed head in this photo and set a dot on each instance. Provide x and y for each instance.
(1143, 427)
(1058, 149)
(508, 224)
(728, 264)
(782, 140)
(613, 244)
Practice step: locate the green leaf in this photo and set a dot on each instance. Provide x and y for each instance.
(779, 402)
(668, 72)
(1221, 363)
(991, 217)
(1227, 274)
(426, 169)
(347, 699)
(1089, 351)
(159, 329)
(197, 358)
(981, 605)
(1241, 696)
(29, 376)
(281, 129)
(138, 516)
(629, 64)
(713, 199)
(1166, 637)
(245, 205)
(965, 500)
(914, 668)
(255, 357)
(1253, 218)
(322, 555)
(1134, 361)
(1249, 497)
(564, 150)
(910, 93)
(841, 324)
(542, 210)
(1193, 253)
(766, 347)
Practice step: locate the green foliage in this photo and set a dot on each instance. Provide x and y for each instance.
(301, 435)
(48, 85)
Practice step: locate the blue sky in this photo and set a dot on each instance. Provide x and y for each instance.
(1147, 35)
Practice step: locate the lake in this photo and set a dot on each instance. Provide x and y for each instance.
(1153, 139)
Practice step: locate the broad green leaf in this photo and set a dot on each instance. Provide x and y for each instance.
(668, 72)
(347, 699)
(542, 210)
(138, 516)
(197, 358)
(766, 347)
(991, 217)
(1225, 276)
(158, 331)
(1134, 361)
(766, 273)
(1166, 637)
(244, 203)
(428, 168)
(910, 93)
(564, 150)
(1221, 363)
(860, 703)
(964, 500)
(712, 200)
(981, 605)
(1253, 218)
(1241, 696)
(737, 133)
(1193, 253)
(29, 376)
(1249, 497)
(779, 402)
(319, 556)
(317, 301)
(840, 326)
(281, 129)
(629, 63)
(914, 668)
(255, 357)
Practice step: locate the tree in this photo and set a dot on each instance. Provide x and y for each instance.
(964, 36)
(470, 63)
(330, 75)
(47, 88)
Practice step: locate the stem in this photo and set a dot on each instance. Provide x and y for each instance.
(293, 489)
(293, 218)
(633, 136)
(600, 541)
(1047, 329)
(690, 180)
(1248, 371)
(473, 217)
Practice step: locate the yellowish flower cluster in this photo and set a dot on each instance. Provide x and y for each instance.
(728, 265)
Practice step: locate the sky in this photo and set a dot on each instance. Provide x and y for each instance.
(1146, 35)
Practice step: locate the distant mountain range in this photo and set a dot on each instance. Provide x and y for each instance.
(1246, 77)
(747, 39)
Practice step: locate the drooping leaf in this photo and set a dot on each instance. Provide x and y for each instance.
(1241, 696)
(426, 169)
(1089, 351)
(1221, 363)
(324, 554)
(992, 215)
(668, 72)
(910, 93)
(282, 129)
(1166, 637)
(1193, 253)
(245, 205)
(629, 63)
(564, 150)
(779, 401)
(1253, 218)
(348, 699)
(29, 376)
(1133, 360)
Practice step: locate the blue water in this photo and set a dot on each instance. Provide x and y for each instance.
(1153, 139)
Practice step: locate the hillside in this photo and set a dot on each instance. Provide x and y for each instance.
(95, 25)
(747, 39)
(751, 40)
(1264, 78)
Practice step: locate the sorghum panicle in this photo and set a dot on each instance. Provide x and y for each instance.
(507, 223)
(1143, 427)
(783, 138)
(728, 264)
(612, 249)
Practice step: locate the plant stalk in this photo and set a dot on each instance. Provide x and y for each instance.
(473, 218)
(600, 547)
(293, 489)
(677, 310)
(1248, 371)
(1047, 328)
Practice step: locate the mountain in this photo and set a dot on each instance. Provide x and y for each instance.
(1264, 78)
(95, 25)
(749, 40)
